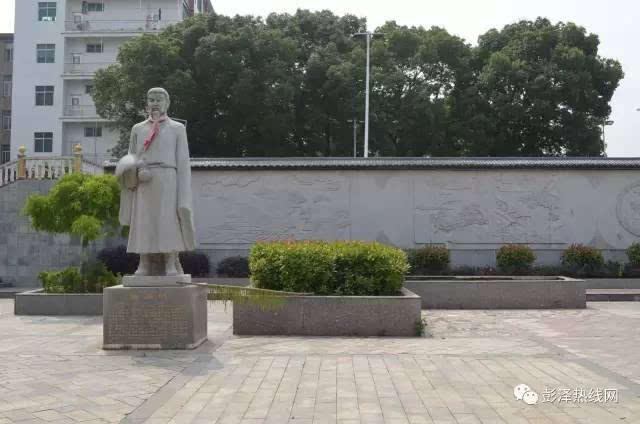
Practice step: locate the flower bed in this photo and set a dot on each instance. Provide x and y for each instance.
(353, 288)
(333, 316)
(509, 292)
(37, 302)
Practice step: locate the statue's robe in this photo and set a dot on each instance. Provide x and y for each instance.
(159, 211)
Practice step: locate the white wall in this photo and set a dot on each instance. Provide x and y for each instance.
(130, 10)
(473, 212)
(26, 117)
(110, 47)
(94, 149)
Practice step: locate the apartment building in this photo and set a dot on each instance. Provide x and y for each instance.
(59, 46)
(6, 78)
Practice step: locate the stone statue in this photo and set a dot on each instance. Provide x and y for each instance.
(155, 179)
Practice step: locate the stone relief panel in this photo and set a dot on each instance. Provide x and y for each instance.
(481, 208)
(243, 209)
(628, 208)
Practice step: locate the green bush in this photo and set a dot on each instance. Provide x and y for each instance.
(233, 266)
(429, 259)
(515, 258)
(328, 268)
(93, 277)
(633, 253)
(118, 261)
(580, 258)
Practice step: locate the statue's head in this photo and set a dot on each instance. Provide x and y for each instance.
(157, 101)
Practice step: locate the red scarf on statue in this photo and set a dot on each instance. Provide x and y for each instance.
(154, 130)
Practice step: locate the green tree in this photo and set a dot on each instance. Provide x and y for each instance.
(78, 204)
(287, 85)
(542, 90)
(247, 87)
(416, 73)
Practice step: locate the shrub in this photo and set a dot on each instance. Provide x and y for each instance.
(78, 204)
(633, 253)
(195, 263)
(233, 266)
(93, 277)
(515, 258)
(118, 261)
(429, 259)
(582, 259)
(326, 268)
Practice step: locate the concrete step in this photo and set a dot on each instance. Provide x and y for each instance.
(613, 295)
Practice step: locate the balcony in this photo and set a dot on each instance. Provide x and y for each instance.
(81, 113)
(116, 27)
(80, 70)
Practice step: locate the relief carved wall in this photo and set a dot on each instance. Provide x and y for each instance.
(489, 208)
(243, 209)
(628, 208)
(464, 209)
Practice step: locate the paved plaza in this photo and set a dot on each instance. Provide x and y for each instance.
(584, 365)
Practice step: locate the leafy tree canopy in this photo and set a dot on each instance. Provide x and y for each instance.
(79, 204)
(288, 85)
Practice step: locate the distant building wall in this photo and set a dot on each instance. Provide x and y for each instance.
(6, 79)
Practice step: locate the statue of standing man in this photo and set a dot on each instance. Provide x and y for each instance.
(155, 200)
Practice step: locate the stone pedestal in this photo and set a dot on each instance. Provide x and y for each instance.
(155, 281)
(154, 317)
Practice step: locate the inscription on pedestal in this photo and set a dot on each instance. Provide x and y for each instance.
(171, 322)
(154, 317)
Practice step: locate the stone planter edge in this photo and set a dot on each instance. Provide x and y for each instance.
(524, 292)
(37, 302)
(333, 316)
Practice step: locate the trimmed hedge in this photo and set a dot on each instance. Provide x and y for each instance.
(348, 268)
(582, 258)
(515, 258)
(118, 261)
(429, 259)
(195, 263)
(233, 266)
(633, 253)
(92, 277)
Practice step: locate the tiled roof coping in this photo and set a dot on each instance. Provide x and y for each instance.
(413, 163)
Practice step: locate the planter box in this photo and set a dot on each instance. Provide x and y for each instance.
(37, 302)
(333, 316)
(518, 292)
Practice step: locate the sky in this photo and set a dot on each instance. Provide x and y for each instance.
(613, 21)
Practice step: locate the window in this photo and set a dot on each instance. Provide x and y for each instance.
(8, 54)
(47, 11)
(94, 48)
(6, 86)
(5, 153)
(95, 7)
(88, 88)
(6, 119)
(75, 58)
(44, 95)
(93, 131)
(75, 101)
(43, 142)
(45, 53)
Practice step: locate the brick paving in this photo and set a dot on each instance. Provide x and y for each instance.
(464, 370)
